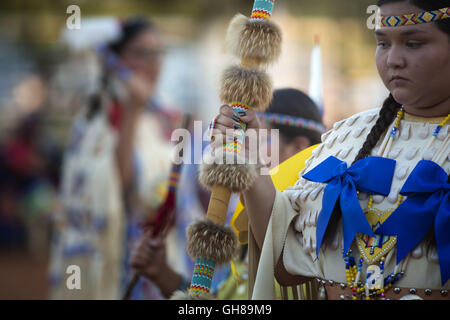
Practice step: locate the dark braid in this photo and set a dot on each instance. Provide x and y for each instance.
(386, 117)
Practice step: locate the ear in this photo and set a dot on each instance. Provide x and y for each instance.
(295, 146)
(300, 143)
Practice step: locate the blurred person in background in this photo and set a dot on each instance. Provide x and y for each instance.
(27, 185)
(115, 170)
(149, 256)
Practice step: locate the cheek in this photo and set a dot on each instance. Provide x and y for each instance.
(380, 61)
(431, 71)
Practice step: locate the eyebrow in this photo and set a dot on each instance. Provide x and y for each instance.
(404, 33)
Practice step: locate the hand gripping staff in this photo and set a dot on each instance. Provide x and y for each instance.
(256, 41)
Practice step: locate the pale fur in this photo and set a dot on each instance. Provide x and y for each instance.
(236, 177)
(249, 86)
(257, 39)
(260, 39)
(234, 31)
(207, 240)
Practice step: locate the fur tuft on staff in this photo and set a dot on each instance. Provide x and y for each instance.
(211, 241)
(237, 178)
(250, 85)
(254, 39)
(257, 42)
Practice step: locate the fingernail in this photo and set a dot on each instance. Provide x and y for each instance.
(235, 118)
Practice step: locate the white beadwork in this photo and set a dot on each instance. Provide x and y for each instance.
(434, 256)
(305, 194)
(424, 131)
(330, 141)
(312, 218)
(307, 220)
(358, 131)
(345, 151)
(378, 198)
(443, 133)
(324, 136)
(411, 153)
(316, 152)
(338, 124)
(429, 154)
(401, 172)
(315, 193)
(369, 117)
(417, 252)
(393, 195)
(307, 243)
(352, 120)
(395, 152)
(344, 135)
(299, 224)
(405, 132)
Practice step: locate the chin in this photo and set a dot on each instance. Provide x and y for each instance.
(403, 96)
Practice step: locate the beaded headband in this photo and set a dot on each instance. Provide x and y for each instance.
(262, 10)
(415, 18)
(293, 121)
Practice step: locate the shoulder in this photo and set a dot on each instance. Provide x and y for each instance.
(344, 140)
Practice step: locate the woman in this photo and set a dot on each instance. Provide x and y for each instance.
(304, 231)
(115, 169)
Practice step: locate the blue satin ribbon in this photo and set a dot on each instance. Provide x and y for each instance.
(428, 203)
(372, 175)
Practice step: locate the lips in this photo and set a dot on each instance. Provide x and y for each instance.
(398, 78)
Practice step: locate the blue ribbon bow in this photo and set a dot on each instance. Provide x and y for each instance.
(428, 202)
(371, 175)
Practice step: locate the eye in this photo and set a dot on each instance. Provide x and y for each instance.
(414, 44)
(382, 44)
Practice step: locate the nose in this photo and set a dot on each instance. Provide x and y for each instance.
(396, 58)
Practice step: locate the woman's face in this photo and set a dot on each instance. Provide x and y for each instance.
(414, 61)
(143, 55)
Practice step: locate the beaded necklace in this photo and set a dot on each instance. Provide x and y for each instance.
(375, 283)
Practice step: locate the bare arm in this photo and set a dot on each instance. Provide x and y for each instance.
(259, 202)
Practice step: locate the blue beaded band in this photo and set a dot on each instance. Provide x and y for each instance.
(293, 121)
(202, 277)
(262, 9)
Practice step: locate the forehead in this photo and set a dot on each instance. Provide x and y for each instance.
(147, 39)
(399, 8)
